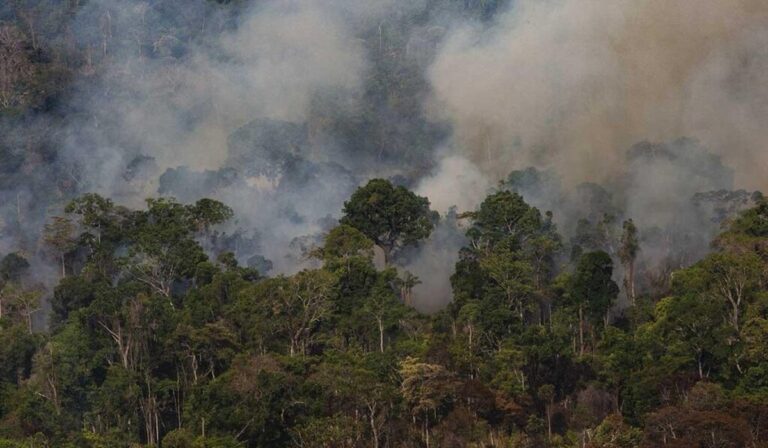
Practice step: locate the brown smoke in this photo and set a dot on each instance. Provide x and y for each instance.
(572, 84)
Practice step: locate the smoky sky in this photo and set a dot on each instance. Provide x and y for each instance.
(572, 84)
(282, 108)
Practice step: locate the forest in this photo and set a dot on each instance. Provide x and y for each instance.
(383, 223)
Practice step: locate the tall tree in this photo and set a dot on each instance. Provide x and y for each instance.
(512, 274)
(733, 278)
(392, 217)
(59, 235)
(13, 267)
(382, 305)
(593, 290)
(162, 244)
(343, 246)
(24, 302)
(299, 304)
(503, 216)
(509, 259)
(428, 389)
(628, 251)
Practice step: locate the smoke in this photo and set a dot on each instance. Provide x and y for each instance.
(223, 114)
(456, 182)
(181, 110)
(282, 108)
(433, 263)
(571, 84)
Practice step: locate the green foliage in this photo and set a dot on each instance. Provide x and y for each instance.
(614, 433)
(392, 217)
(504, 274)
(593, 288)
(503, 216)
(150, 343)
(12, 267)
(344, 244)
(753, 222)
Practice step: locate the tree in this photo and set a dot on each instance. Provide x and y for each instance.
(406, 284)
(207, 212)
(541, 250)
(12, 267)
(509, 260)
(512, 274)
(613, 432)
(298, 305)
(343, 245)
(503, 216)
(753, 222)
(20, 301)
(354, 386)
(547, 394)
(593, 290)
(703, 420)
(382, 306)
(468, 317)
(17, 348)
(392, 217)
(97, 214)
(628, 254)
(427, 388)
(691, 328)
(162, 247)
(208, 349)
(59, 235)
(732, 278)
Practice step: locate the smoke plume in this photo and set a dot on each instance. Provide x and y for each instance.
(282, 108)
(572, 84)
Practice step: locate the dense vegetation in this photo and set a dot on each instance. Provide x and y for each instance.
(152, 342)
(163, 325)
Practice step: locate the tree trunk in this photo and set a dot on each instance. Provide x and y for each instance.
(549, 422)
(470, 338)
(194, 368)
(54, 394)
(381, 334)
(701, 368)
(581, 330)
(374, 431)
(632, 281)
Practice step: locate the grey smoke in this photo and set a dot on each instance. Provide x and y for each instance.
(241, 102)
